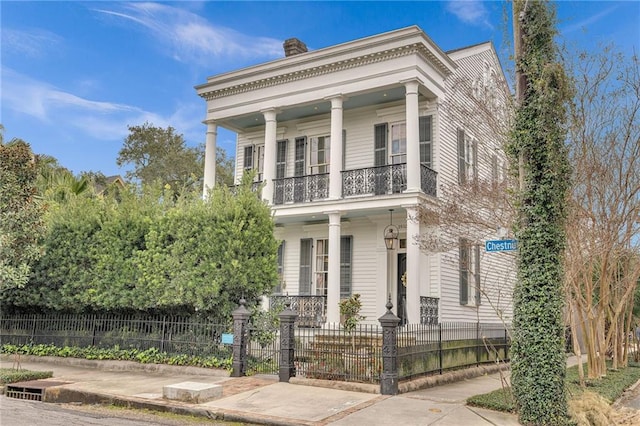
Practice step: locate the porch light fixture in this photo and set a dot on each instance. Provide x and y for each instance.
(390, 233)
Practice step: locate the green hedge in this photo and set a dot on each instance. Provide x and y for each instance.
(149, 356)
(12, 375)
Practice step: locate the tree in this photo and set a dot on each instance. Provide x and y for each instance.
(159, 154)
(603, 256)
(21, 222)
(57, 184)
(537, 147)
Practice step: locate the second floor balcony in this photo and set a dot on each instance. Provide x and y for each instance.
(368, 181)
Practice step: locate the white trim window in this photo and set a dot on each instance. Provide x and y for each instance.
(469, 272)
(467, 158)
(322, 267)
(398, 143)
(320, 154)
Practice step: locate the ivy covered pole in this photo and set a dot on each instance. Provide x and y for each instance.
(537, 146)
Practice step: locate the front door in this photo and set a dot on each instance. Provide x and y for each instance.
(402, 288)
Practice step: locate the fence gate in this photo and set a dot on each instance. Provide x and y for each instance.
(263, 348)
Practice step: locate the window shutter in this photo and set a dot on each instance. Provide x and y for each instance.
(462, 160)
(278, 289)
(494, 169)
(477, 273)
(304, 285)
(299, 160)
(248, 157)
(346, 250)
(380, 144)
(474, 159)
(464, 271)
(425, 141)
(344, 149)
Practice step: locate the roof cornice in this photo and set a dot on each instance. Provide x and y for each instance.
(380, 56)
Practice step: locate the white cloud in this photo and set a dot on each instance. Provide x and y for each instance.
(190, 38)
(33, 43)
(584, 24)
(471, 12)
(51, 106)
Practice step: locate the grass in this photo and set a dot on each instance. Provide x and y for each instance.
(609, 387)
(12, 375)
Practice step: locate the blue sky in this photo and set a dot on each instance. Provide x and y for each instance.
(74, 75)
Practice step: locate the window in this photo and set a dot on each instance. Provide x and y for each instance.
(304, 285)
(320, 154)
(494, 170)
(248, 157)
(280, 286)
(346, 248)
(469, 271)
(281, 159)
(426, 149)
(260, 158)
(467, 159)
(299, 162)
(322, 267)
(380, 144)
(398, 143)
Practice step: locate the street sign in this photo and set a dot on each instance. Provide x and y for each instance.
(501, 245)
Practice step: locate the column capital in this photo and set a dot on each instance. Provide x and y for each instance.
(336, 98)
(270, 113)
(411, 85)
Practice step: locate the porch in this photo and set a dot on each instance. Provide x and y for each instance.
(368, 181)
(312, 310)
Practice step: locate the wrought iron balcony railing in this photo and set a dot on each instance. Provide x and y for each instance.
(379, 180)
(311, 310)
(428, 180)
(301, 189)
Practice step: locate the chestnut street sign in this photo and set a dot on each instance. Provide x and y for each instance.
(501, 245)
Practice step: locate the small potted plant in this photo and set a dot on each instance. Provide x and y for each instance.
(350, 313)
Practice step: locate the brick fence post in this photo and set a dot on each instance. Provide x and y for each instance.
(389, 376)
(287, 342)
(240, 332)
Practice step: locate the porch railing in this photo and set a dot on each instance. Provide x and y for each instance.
(299, 189)
(428, 180)
(379, 180)
(429, 310)
(311, 310)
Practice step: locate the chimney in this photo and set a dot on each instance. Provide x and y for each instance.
(293, 46)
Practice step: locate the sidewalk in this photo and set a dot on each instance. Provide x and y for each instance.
(262, 399)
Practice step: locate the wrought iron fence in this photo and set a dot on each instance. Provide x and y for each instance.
(170, 334)
(377, 180)
(299, 189)
(433, 348)
(332, 353)
(311, 310)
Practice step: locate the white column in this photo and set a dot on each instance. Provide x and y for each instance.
(413, 268)
(210, 158)
(269, 171)
(333, 290)
(413, 136)
(335, 167)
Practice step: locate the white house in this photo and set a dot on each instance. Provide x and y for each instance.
(349, 138)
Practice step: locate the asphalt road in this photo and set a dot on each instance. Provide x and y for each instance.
(15, 412)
